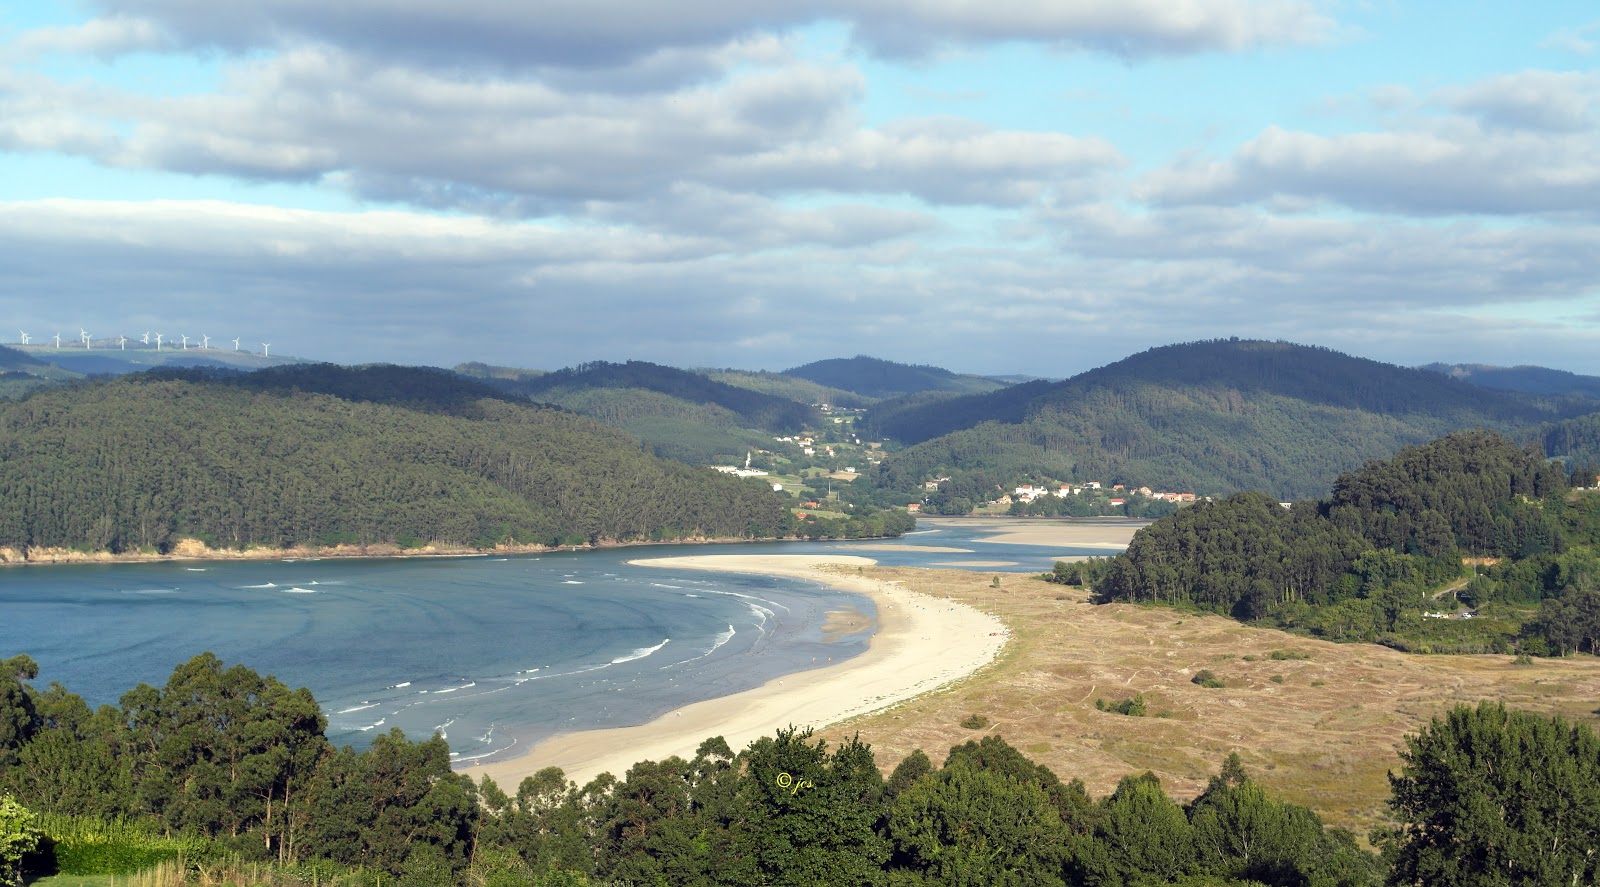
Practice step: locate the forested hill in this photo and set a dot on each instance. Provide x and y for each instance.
(1527, 379)
(878, 378)
(329, 455)
(1205, 417)
(1387, 546)
(679, 414)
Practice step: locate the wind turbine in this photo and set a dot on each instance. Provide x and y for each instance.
(58, 341)
(266, 349)
(84, 334)
(146, 338)
(205, 341)
(122, 341)
(158, 341)
(24, 336)
(236, 343)
(186, 343)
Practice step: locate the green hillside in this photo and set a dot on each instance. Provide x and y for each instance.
(878, 378)
(1527, 379)
(326, 455)
(680, 414)
(1204, 417)
(790, 388)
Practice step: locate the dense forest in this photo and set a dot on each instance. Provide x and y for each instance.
(1210, 418)
(1529, 379)
(224, 763)
(679, 414)
(325, 455)
(879, 378)
(1481, 534)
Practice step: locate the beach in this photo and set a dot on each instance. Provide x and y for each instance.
(1108, 534)
(920, 643)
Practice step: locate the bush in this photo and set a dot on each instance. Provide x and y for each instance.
(974, 722)
(87, 845)
(1205, 678)
(1276, 679)
(1133, 708)
(1281, 655)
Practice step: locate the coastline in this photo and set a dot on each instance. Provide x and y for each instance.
(195, 550)
(921, 643)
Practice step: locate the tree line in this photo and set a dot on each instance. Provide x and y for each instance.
(1387, 546)
(241, 760)
(1484, 795)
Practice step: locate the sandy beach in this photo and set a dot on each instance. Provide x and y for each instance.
(921, 643)
(1111, 534)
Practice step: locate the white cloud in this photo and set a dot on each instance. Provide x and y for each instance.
(1509, 145)
(520, 147)
(1579, 40)
(102, 37)
(565, 33)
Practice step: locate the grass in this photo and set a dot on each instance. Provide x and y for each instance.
(1325, 737)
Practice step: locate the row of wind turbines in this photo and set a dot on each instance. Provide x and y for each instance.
(122, 342)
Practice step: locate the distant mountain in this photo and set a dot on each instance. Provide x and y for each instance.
(1527, 379)
(884, 379)
(1205, 417)
(325, 455)
(789, 387)
(681, 414)
(21, 372)
(108, 359)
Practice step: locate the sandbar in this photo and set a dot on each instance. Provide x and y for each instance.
(1111, 534)
(887, 546)
(921, 643)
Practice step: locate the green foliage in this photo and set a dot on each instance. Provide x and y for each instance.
(90, 845)
(1384, 549)
(1207, 417)
(1134, 707)
(1488, 795)
(1206, 678)
(1287, 655)
(328, 455)
(973, 826)
(974, 722)
(19, 835)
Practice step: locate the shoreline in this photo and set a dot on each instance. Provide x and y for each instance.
(194, 550)
(921, 643)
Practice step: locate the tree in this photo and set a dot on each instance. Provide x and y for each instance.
(18, 837)
(810, 817)
(1491, 795)
(225, 751)
(1140, 832)
(17, 716)
(972, 826)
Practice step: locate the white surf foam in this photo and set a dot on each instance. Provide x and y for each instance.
(639, 653)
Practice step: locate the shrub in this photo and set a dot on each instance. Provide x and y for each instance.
(975, 722)
(1133, 708)
(1205, 678)
(1276, 679)
(1281, 655)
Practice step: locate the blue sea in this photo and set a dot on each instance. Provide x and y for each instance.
(495, 653)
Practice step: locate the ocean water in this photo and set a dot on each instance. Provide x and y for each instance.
(495, 653)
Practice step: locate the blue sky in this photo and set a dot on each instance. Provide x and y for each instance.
(1001, 187)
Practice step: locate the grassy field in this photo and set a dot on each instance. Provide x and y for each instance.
(1322, 730)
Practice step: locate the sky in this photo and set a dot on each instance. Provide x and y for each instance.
(1003, 187)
